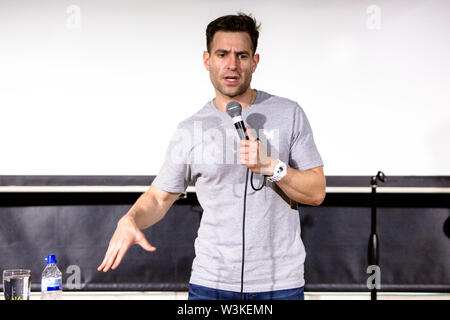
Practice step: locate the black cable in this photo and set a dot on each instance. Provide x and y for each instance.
(243, 224)
(251, 182)
(243, 236)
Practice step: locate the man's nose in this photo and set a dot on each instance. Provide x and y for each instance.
(232, 62)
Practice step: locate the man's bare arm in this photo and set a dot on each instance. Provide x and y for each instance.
(150, 208)
(304, 186)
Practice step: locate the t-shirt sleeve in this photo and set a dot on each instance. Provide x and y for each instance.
(303, 151)
(175, 173)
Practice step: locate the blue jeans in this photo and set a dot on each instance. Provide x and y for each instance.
(197, 292)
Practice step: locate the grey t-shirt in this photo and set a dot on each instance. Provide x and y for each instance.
(204, 151)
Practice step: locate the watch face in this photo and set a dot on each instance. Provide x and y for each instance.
(279, 172)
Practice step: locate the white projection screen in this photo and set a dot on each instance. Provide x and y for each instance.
(98, 87)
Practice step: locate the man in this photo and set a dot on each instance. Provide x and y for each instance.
(274, 253)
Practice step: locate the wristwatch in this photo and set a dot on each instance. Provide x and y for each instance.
(279, 171)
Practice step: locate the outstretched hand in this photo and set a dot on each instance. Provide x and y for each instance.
(126, 234)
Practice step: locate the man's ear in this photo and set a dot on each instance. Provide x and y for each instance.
(206, 59)
(255, 62)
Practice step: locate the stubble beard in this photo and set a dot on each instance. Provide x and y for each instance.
(235, 91)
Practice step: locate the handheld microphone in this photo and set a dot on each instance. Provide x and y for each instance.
(234, 110)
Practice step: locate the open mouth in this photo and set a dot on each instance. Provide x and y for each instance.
(231, 79)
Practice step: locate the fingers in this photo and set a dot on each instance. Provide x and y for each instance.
(108, 260)
(110, 257)
(105, 259)
(249, 133)
(146, 245)
(249, 160)
(120, 254)
(102, 265)
(118, 246)
(252, 152)
(249, 152)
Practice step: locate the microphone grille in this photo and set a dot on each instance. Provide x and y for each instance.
(234, 109)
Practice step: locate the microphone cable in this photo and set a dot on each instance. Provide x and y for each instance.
(243, 222)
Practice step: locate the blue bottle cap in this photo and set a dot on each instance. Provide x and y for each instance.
(50, 259)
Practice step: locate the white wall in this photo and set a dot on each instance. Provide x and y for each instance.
(92, 96)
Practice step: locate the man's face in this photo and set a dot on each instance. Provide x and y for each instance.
(230, 63)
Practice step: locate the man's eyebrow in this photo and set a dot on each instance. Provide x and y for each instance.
(226, 51)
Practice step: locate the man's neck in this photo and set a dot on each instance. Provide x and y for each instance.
(246, 99)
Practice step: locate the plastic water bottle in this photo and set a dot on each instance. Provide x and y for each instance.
(51, 281)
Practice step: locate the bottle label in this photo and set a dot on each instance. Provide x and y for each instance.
(51, 284)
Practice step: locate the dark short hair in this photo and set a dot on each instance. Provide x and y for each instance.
(233, 23)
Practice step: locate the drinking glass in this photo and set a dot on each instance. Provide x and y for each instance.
(16, 284)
